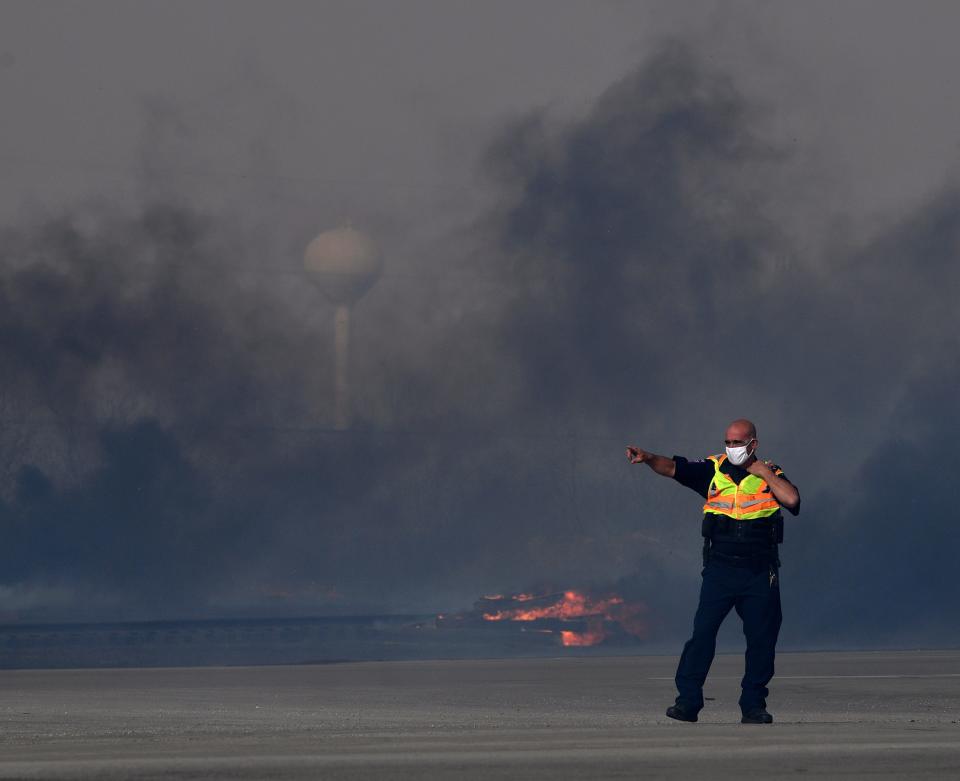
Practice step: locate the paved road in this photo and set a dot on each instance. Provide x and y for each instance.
(839, 715)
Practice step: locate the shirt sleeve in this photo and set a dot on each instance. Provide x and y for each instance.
(695, 475)
(795, 510)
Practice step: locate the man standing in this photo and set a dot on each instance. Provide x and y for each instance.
(742, 526)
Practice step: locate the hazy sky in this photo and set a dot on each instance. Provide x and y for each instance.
(388, 103)
(601, 222)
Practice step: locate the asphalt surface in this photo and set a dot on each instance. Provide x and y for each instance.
(838, 715)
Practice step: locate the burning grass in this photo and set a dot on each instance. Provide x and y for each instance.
(577, 618)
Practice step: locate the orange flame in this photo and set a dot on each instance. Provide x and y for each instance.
(573, 604)
(582, 638)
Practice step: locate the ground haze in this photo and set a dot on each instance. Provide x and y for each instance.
(877, 714)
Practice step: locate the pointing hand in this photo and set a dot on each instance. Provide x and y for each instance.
(637, 455)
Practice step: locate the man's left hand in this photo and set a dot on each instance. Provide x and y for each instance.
(759, 468)
(785, 491)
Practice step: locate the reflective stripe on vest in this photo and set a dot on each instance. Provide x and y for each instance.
(749, 499)
(725, 505)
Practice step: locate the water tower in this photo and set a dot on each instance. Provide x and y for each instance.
(344, 264)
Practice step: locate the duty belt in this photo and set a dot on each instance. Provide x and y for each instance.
(756, 558)
(722, 528)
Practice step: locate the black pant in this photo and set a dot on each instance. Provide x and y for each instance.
(757, 600)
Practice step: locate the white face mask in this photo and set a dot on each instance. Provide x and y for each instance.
(739, 455)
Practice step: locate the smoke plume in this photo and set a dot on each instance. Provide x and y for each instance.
(167, 396)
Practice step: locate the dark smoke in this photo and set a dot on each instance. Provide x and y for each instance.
(658, 297)
(638, 240)
(159, 430)
(166, 414)
(879, 554)
(124, 371)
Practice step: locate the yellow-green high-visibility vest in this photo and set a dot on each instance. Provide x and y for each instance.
(746, 501)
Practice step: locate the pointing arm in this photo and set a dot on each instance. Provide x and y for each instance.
(659, 464)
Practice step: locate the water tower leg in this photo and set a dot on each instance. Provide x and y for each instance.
(341, 335)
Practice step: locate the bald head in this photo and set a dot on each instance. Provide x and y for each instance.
(741, 429)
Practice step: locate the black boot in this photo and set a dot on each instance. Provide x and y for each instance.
(680, 713)
(756, 716)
